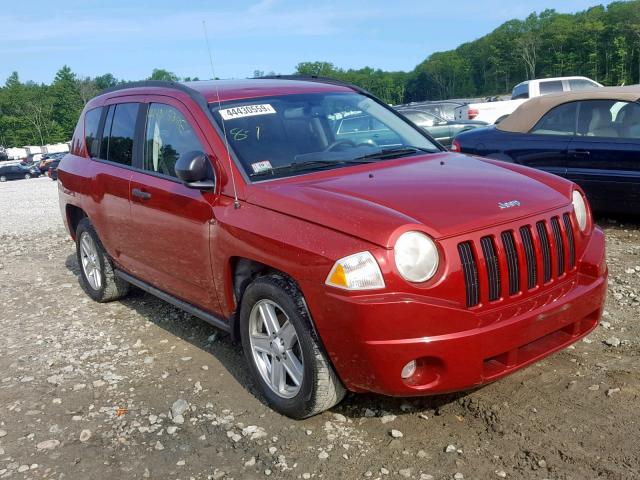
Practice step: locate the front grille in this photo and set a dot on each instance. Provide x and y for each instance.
(539, 252)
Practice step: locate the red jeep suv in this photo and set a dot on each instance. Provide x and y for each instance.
(339, 243)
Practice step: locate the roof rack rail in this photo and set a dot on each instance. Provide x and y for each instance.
(194, 94)
(147, 83)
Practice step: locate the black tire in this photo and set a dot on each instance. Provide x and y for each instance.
(111, 287)
(27, 176)
(321, 388)
(3, 178)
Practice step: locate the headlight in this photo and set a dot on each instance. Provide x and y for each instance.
(359, 271)
(580, 208)
(416, 257)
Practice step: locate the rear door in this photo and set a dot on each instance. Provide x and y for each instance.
(604, 157)
(170, 223)
(110, 171)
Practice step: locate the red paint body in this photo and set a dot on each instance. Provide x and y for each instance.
(185, 242)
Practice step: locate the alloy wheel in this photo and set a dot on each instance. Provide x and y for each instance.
(90, 261)
(275, 348)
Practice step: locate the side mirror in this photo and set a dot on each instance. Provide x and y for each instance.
(195, 170)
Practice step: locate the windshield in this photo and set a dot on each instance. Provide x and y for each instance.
(292, 134)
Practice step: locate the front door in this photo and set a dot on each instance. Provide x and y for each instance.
(170, 223)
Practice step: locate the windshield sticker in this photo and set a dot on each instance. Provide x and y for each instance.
(246, 111)
(261, 166)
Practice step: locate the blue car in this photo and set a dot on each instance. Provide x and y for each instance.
(590, 137)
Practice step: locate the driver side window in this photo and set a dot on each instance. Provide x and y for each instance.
(167, 136)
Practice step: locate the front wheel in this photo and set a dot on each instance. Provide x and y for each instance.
(27, 176)
(97, 277)
(3, 178)
(283, 351)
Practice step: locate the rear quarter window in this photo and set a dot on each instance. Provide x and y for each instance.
(91, 124)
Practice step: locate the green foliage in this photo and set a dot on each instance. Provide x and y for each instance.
(389, 86)
(38, 114)
(162, 74)
(600, 43)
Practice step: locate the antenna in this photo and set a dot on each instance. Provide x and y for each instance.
(236, 202)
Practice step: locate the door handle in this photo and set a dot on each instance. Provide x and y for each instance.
(579, 153)
(136, 192)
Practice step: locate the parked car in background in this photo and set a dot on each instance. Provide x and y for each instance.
(442, 108)
(496, 111)
(440, 129)
(590, 137)
(52, 171)
(271, 209)
(47, 159)
(17, 171)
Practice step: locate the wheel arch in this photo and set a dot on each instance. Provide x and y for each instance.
(243, 271)
(74, 214)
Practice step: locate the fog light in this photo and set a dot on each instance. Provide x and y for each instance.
(409, 369)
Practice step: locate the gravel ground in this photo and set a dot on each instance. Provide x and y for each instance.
(138, 389)
(29, 206)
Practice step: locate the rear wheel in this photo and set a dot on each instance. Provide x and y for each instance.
(3, 178)
(97, 277)
(27, 176)
(283, 350)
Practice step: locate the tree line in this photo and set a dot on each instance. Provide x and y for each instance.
(602, 43)
(38, 114)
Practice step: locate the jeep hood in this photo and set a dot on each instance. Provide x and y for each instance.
(448, 194)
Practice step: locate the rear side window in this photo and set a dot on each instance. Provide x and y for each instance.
(168, 136)
(553, 86)
(119, 132)
(559, 121)
(91, 124)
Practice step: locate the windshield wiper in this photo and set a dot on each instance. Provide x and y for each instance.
(309, 164)
(394, 152)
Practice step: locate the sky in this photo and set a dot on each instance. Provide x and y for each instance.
(129, 38)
